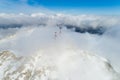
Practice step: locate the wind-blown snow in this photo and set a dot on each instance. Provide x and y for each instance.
(26, 35)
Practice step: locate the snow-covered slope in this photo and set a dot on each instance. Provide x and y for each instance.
(68, 64)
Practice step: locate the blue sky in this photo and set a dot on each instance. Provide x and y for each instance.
(70, 6)
(75, 3)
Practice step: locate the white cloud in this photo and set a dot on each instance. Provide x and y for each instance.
(32, 37)
(80, 20)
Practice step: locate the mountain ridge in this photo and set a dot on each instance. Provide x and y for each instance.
(32, 67)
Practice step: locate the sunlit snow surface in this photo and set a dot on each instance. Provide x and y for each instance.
(86, 48)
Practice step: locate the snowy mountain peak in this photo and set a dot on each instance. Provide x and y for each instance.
(69, 65)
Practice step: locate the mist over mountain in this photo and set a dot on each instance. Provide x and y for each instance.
(59, 47)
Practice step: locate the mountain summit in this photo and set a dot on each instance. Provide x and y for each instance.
(69, 65)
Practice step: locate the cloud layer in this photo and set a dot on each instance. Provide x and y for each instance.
(80, 23)
(37, 31)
